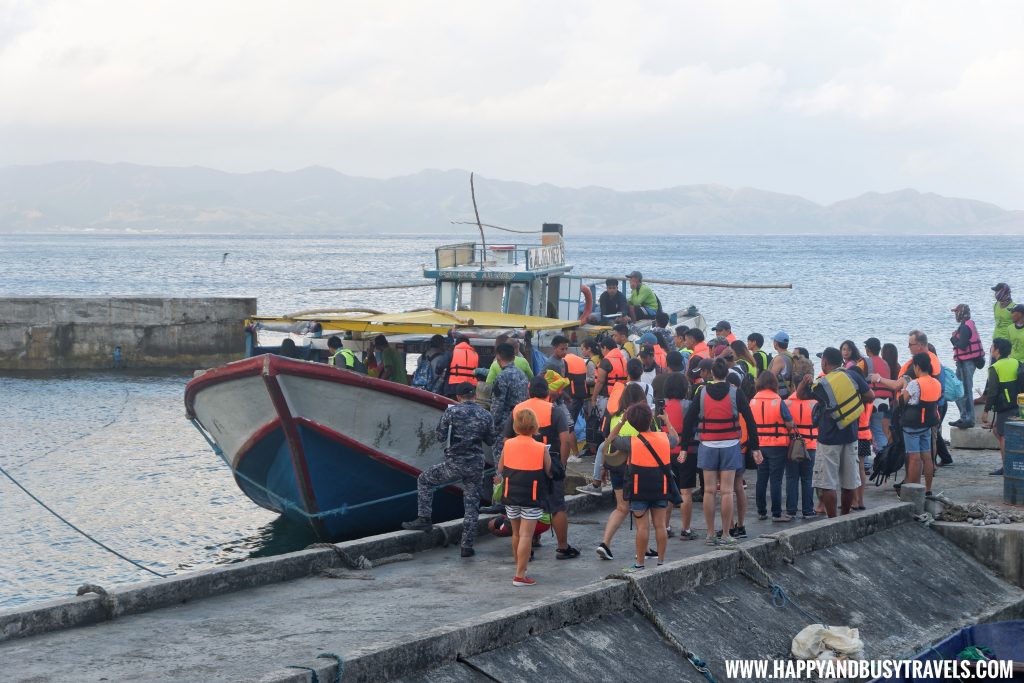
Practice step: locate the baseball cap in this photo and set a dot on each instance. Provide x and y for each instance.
(1019, 308)
(1001, 285)
(465, 389)
(722, 325)
(637, 274)
(648, 338)
(781, 336)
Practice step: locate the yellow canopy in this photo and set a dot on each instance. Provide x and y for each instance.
(428, 321)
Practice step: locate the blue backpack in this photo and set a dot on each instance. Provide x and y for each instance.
(424, 376)
(952, 387)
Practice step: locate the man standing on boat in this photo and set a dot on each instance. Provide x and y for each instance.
(464, 428)
(510, 389)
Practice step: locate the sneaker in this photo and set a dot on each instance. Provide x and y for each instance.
(929, 495)
(418, 524)
(661, 562)
(762, 517)
(634, 568)
(996, 473)
(604, 552)
(567, 553)
(711, 540)
(728, 541)
(574, 458)
(687, 535)
(808, 515)
(782, 518)
(523, 581)
(468, 551)
(589, 489)
(738, 532)
(669, 532)
(956, 423)
(651, 553)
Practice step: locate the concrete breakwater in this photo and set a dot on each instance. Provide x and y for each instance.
(97, 333)
(437, 617)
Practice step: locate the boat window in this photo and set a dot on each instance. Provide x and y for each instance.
(446, 296)
(487, 296)
(517, 297)
(465, 300)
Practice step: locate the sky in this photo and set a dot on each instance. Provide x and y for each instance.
(822, 99)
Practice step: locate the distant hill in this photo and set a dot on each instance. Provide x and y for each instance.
(88, 195)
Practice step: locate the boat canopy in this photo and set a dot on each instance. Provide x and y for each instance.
(428, 321)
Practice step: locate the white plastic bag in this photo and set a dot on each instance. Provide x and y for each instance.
(834, 642)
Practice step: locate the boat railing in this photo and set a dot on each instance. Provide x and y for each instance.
(518, 256)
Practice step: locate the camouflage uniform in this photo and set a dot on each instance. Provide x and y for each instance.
(510, 389)
(470, 426)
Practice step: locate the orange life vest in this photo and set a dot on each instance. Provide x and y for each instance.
(719, 418)
(675, 412)
(864, 423)
(771, 428)
(660, 357)
(925, 413)
(907, 367)
(701, 350)
(802, 411)
(576, 373)
(546, 432)
(523, 471)
(648, 479)
(617, 375)
(464, 364)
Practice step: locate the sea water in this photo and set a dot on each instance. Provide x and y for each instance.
(113, 453)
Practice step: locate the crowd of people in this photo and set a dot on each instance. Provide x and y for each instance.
(675, 417)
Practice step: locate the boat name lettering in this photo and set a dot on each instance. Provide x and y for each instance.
(477, 275)
(546, 256)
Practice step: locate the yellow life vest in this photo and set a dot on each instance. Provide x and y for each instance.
(844, 402)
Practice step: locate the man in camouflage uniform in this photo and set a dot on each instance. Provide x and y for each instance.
(510, 389)
(463, 428)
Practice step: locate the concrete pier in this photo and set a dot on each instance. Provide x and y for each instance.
(99, 333)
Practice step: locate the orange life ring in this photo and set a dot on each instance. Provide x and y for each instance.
(588, 304)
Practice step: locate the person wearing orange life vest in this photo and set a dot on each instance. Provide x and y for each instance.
(553, 430)
(694, 341)
(648, 477)
(462, 368)
(523, 469)
(724, 329)
(774, 426)
(798, 474)
(610, 372)
(920, 399)
(969, 355)
(881, 408)
(684, 455)
(713, 419)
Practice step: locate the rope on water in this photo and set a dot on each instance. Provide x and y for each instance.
(779, 597)
(97, 542)
(642, 603)
(117, 416)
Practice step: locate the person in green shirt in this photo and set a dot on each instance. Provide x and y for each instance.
(643, 304)
(1015, 332)
(1001, 311)
(390, 364)
(518, 361)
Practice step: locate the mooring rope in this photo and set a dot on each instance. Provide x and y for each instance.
(31, 459)
(61, 518)
(779, 597)
(314, 677)
(642, 603)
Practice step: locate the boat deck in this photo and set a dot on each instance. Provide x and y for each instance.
(244, 635)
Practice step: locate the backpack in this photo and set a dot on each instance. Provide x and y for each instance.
(424, 377)
(952, 387)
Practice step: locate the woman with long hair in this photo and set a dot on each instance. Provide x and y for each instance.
(852, 357)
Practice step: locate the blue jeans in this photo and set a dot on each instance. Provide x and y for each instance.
(965, 373)
(878, 439)
(771, 470)
(798, 480)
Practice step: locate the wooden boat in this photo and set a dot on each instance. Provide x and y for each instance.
(341, 451)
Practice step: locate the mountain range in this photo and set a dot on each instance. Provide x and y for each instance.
(116, 197)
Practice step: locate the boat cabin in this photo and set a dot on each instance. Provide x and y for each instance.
(522, 279)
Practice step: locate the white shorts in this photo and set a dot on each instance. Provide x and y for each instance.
(836, 466)
(523, 512)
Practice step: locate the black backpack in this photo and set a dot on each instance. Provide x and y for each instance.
(893, 457)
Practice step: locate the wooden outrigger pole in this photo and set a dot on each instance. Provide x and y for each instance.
(691, 283)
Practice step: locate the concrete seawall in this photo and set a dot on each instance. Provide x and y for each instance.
(82, 333)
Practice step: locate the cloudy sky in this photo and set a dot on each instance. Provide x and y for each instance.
(822, 99)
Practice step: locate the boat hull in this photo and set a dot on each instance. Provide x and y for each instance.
(330, 448)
